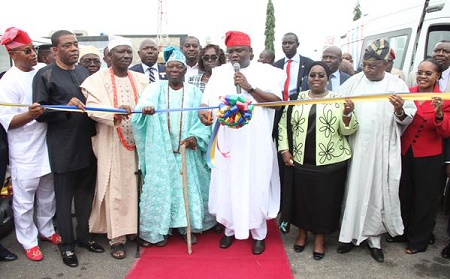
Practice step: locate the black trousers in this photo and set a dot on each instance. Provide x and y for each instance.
(78, 185)
(420, 186)
(4, 156)
(3, 164)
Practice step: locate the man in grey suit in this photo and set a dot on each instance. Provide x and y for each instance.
(149, 53)
(332, 56)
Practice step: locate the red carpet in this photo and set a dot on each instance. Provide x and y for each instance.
(208, 260)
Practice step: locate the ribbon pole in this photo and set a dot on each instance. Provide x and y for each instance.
(186, 198)
(138, 174)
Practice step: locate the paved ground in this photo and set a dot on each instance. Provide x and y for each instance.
(356, 264)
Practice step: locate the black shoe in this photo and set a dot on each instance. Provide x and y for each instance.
(377, 254)
(226, 241)
(445, 253)
(396, 239)
(92, 246)
(163, 242)
(193, 238)
(318, 256)
(299, 248)
(218, 228)
(6, 255)
(69, 258)
(259, 246)
(432, 239)
(345, 247)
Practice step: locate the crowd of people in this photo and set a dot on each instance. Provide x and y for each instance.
(363, 168)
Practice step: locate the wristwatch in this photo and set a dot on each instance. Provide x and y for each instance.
(251, 90)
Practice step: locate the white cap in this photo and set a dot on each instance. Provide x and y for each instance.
(118, 41)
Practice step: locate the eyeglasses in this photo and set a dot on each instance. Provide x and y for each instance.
(210, 57)
(27, 51)
(88, 61)
(427, 73)
(320, 75)
(372, 66)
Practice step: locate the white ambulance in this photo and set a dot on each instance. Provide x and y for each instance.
(412, 31)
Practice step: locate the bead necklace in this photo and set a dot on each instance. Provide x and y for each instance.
(181, 118)
(135, 92)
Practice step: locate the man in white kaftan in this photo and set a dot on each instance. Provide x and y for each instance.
(372, 205)
(245, 186)
(32, 179)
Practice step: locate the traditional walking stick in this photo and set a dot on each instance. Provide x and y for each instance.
(186, 198)
(138, 174)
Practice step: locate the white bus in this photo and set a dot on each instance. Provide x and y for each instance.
(412, 32)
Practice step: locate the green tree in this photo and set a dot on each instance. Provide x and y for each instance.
(270, 26)
(357, 12)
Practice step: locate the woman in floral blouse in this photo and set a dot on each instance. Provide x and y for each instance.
(315, 152)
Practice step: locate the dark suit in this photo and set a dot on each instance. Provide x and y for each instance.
(343, 77)
(72, 160)
(161, 70)
(3, 154)
(303, 69)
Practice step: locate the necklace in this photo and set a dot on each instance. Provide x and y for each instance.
(181, 118)
(135, 92)
(318, 96)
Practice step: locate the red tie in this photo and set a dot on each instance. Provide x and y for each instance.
(286, 84)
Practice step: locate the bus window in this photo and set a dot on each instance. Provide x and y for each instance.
(435, 35)
(398, 41)
(5, 60)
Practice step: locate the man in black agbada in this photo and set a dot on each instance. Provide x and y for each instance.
(69, 143)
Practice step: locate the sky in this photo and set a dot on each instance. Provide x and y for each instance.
(312, 21)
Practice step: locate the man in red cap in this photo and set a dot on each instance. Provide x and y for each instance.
(32, 179)
(245, 187)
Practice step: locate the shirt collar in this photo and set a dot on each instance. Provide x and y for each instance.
(145, 67)
(295, 58)
(335, 74)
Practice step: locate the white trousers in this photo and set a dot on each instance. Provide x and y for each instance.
(374, 241)
(25, 192)
(257, 234)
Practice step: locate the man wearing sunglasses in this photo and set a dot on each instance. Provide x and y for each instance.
(28, 156)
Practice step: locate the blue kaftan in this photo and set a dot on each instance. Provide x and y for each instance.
(162, 202)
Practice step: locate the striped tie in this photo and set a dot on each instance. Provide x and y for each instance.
(151, 75)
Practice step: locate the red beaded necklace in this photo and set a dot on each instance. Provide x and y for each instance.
(135, 92)
(181, 118)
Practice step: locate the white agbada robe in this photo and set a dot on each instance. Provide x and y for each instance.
(28, 160)
(372, 205)
(245, 187)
